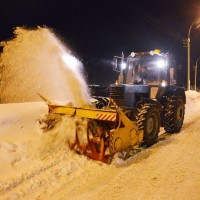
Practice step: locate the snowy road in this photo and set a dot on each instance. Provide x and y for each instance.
(168, 169)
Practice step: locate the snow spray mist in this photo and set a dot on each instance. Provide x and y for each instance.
(36, 61)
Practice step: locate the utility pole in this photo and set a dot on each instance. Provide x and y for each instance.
(188, 52)
(195, 75)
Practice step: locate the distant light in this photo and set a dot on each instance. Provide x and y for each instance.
(123, 65)
(198, 24)
(160, 63)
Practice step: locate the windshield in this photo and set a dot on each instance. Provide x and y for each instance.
(150, 70)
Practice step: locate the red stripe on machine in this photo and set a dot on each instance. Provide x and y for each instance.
(106, 117)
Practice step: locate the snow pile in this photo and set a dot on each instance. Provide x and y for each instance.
(192, 105)
(57, 133)
(192, 97)
(37, 61)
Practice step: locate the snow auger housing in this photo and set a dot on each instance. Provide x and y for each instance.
(109, 129)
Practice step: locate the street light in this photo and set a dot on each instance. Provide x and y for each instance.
(195, 74)
(188, 48)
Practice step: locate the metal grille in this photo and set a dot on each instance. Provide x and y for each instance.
(117, 92)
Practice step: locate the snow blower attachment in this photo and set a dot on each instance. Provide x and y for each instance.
(109, 130)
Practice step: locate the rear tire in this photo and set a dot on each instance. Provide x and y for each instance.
(148, 120)
(174, 111)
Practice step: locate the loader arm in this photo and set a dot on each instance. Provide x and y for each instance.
(126, 134)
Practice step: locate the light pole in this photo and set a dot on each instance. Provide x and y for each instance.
(188, 50)
(195, 74)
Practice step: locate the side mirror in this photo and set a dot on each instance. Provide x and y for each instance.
(115, 64)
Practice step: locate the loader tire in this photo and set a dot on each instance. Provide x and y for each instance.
(173, 116)
(148, 120)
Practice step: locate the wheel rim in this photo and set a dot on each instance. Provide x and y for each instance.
(152, 125)
(180, 114)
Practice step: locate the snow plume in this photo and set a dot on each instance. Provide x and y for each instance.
(36, 61)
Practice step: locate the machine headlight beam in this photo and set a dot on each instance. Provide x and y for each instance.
(161, 64)
(123, 65)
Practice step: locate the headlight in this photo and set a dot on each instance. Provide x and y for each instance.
(163, 83)
(123, 65)
(160, 63)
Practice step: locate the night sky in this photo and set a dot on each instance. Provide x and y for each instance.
(96, 31)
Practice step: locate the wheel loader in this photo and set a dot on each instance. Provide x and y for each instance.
(144, 98)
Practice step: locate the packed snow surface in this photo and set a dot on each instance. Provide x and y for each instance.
(39, 166)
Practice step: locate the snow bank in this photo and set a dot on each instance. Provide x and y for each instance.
(192, 97)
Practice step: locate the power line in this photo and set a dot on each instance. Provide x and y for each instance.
(150, 20)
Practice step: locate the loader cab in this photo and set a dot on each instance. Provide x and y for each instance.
(146, 68)
(142, 75)
(143, 71)
(147, 93)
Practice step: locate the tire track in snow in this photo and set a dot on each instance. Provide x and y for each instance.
(57, 176)
(37, 180)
